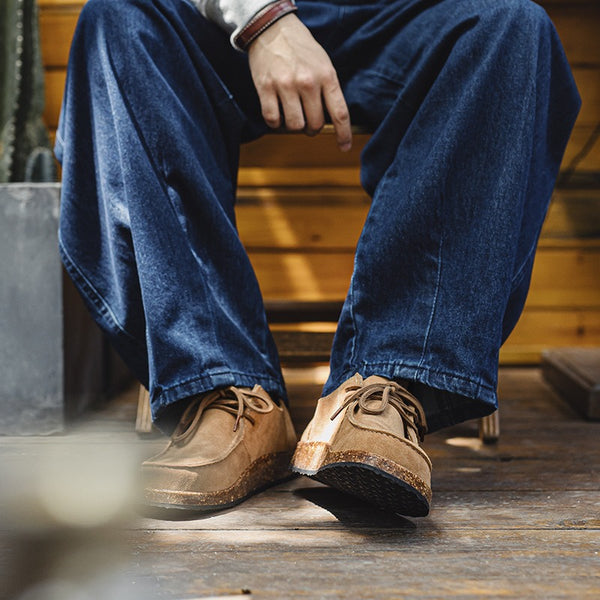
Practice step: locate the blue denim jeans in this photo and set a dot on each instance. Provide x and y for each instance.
(471, 103)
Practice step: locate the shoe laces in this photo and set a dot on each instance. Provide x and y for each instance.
(232, 400)
(373, 399)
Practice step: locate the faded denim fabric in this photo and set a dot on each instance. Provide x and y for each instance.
(471, 103)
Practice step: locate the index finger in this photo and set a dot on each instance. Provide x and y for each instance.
(340, 116)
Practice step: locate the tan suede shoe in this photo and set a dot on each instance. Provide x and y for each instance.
(364, 439)
(229, 444)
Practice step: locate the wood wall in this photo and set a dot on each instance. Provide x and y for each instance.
(301, 207)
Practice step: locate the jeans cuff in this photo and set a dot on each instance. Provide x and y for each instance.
(168, 404)
(447, 398)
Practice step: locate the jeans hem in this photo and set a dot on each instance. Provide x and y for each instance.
(448, 398)
(167, 405)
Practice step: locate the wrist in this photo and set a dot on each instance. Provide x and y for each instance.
(266, 17)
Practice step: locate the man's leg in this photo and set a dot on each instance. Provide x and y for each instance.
(149, 140)
(472, 104)
(156, 104)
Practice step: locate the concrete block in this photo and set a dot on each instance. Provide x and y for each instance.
(54, 361)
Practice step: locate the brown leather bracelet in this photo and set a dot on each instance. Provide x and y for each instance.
(262, 20)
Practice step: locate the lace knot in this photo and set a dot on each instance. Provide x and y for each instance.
(373, 399)
(233, 400)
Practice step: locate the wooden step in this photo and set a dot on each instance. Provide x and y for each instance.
(575, 374)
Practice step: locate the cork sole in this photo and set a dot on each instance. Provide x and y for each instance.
(263, 473)
(372, 478)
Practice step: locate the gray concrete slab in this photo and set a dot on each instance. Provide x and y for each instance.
(31, 313)
(54, 362)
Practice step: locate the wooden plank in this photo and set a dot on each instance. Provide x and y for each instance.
(301, 196)
(394, 562)
(56, 33)
(350, 176)
(296, 347)
(577, 25)
(476, 475)
(300, 151)
(540, 329)
(521, 355)
(302, 312)
(313, 176)
(537, 330)
(298, 276)
(55, 85)
(575, 374)
(566, 277)
(54, 4)
(310, 221)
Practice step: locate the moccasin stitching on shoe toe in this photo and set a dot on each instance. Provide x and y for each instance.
(229, 444)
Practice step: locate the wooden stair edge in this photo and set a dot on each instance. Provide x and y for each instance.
(574, 373)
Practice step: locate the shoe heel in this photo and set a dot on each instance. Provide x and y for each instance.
(309, 457)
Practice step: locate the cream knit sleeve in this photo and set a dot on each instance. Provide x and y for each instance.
(231, 15)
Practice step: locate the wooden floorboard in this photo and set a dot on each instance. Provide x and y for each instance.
(520, 519)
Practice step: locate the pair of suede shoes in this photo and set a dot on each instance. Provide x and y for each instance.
(234, 442)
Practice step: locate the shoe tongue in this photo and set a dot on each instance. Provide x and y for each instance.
(389, 420)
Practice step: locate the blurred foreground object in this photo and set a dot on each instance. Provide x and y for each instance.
(65, 507)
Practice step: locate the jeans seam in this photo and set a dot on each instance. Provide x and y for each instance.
(352, 319)
(516, 280)
(92, 293)
(434, 302)
(158, 163)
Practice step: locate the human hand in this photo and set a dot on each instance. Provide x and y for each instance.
(292, 71)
